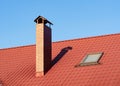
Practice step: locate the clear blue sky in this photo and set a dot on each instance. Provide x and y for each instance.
(71, 18)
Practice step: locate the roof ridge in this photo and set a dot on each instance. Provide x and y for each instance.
(88, 37)
(64, 41)
(17, 47)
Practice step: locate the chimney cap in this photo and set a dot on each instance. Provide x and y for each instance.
(42, 18)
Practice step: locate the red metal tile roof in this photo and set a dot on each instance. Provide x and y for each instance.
(17, 65)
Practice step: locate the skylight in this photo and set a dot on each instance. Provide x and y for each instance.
(91, 59)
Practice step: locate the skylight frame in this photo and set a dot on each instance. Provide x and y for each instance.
(83, 63)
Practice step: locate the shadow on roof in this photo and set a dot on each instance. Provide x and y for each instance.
(61, 54)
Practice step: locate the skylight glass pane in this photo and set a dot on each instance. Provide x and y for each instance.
(92, 58)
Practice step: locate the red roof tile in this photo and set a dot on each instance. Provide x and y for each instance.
(17, 65)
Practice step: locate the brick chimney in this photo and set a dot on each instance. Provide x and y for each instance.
(43, 46)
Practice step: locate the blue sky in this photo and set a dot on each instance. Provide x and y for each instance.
(71, 18)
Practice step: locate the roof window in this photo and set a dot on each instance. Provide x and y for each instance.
(91, 59)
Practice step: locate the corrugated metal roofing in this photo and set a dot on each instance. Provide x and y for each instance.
(17, 65)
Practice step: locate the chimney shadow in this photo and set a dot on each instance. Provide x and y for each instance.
(61, 54)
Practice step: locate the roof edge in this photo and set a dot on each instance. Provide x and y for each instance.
(17, 47)
(64, 41)
(89, 37)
